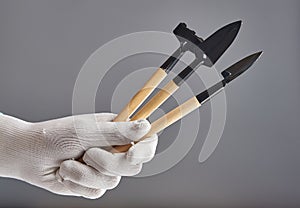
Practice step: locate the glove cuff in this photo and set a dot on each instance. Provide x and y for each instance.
(13, 143)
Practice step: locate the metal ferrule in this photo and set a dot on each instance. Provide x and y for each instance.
(210, 92)
(187, 72)
(169, 64)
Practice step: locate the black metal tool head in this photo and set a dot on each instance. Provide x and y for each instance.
(207, 52)
(212, 48)
(240, 67)
(187, 37)
(229, 74)
(189, 41)
(216, 44)
(183, 34)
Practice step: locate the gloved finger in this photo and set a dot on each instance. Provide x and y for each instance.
(114, 164)
(142, 151)
(86, 192)
(112, 133)
(86, 176)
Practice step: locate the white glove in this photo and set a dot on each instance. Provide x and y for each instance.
(43, 153)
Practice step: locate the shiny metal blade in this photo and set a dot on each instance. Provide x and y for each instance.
(216, 44)
(240, 67)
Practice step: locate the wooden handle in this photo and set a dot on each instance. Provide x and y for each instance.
(156, 101)
(141, 95)
(135, 102)
(165, 121)
(148, 109)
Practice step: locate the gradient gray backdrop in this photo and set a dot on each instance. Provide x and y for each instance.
(43, 45)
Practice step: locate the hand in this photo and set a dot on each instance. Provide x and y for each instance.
(44, 154)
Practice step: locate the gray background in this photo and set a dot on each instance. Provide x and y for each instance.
(43, 45)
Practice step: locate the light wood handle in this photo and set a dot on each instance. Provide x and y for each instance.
(156, 101)
(135, 102)
(141, 95)
(165, 121)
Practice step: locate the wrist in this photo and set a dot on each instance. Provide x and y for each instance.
(12, 131)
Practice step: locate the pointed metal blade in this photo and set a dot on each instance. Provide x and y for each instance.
(216, 44)
(240, 67)
(213, 137)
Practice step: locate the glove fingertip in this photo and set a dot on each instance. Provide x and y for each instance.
(132, 130)
(143, 151)
(142, 125)
(138, 129)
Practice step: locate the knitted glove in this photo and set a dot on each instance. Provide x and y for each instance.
(44, 154)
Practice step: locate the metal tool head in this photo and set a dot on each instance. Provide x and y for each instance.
(207, 52)
(185, 34)
(211, 49)
(188, 39)
(216, 44)
(229, 74)
(240, 67)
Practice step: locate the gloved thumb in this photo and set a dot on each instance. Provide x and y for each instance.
(132, 130)
(113, 133)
